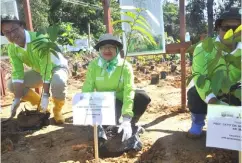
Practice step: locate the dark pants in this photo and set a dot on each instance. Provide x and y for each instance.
(198, 106)
(141, 101)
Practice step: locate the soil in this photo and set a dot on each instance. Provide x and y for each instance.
(164, 139)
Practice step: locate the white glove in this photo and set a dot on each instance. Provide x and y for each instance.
(15, 106)
(44, 101)
(126, 128)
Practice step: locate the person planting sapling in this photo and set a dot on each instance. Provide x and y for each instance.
(49, 71)
(199, 97)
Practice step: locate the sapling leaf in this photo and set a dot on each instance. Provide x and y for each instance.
(237, 39)
(211, 65)
(207, 45)
(221, 46)
(216, 81)
(143, 31)
(201, 81)
(234, 60)
(142, 24)
(215, 69)
(226, 84)
(130, 14)
(54, 53)
(229, 35)
(53, 32)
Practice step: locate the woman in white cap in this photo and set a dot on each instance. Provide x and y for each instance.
(109, 72)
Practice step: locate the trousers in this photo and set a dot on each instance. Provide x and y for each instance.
(33, 79)
(141, 101)
(198, 106)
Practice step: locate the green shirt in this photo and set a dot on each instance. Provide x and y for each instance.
(97, 79)
(200, 62)
(19, 56)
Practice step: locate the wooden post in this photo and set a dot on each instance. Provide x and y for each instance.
(107, 16)
(182, 51)
(96, 144)
(27, 13)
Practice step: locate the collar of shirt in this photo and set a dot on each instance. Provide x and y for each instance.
(239, 45)
(27, 39)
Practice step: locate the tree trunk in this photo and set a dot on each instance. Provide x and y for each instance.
(210, 17)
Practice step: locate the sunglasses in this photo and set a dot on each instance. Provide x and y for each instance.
(226, 28)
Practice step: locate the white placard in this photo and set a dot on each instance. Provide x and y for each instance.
(94, 108)
(224, 127)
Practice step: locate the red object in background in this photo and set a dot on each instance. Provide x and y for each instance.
(3, 82)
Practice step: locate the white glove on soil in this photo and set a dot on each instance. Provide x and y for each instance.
(44, 102)
(126, 128)
(15, 106)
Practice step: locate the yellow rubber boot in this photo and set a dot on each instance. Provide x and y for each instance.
(58, 105)
(32, 97)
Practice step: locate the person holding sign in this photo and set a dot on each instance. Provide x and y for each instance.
(49, 71)
(110, 73)
(198, 99)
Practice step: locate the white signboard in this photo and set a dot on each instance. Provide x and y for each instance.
(224, 127)
(96, 108)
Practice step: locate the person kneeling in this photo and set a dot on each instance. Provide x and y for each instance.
(109, 72)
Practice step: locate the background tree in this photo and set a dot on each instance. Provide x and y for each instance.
(195, 19)
(39, 11)
(171, 21)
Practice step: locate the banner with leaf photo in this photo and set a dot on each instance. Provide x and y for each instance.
(142, 27)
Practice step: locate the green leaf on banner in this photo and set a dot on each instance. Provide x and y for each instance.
(146, 33)
(122, 21)
(234, 60)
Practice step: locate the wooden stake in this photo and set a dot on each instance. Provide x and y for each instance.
(96, 144)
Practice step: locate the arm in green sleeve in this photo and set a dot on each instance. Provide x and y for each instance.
(89, 82)
(199, 66)
(46, 68)
(17, 65)
(128, 95)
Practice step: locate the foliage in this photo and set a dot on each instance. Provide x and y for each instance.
(171, 19)
(139, 31)
(218, 74)
(67, 34)
(47, 43)
(4, 49)
(80, 15)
